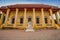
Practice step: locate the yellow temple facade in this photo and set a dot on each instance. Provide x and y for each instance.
(19, 15)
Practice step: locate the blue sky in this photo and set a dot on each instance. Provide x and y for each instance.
(11, 2)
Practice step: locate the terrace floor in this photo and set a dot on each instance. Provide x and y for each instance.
(16, 34)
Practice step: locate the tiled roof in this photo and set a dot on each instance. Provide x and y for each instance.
(37, 6)
(29, 6)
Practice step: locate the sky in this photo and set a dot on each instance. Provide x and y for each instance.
(11, 2)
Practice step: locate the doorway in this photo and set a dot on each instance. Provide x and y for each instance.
(29, 23)
(29, 27)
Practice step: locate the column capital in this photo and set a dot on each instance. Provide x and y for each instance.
(33, 8)
(51, 12)
(57, 12)
(25, 9)
(50, 9)
(8, 9)
(41, 8)
(16, 8)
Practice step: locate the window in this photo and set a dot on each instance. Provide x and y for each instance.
(21, 20)
(13, 20)
(29, 19)
(46, 21)
(37, 20)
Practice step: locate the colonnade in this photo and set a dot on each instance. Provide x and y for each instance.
(34, 23)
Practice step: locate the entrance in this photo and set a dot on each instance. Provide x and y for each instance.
(29, 23)
(29, 27)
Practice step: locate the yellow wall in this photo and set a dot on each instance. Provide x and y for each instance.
(29, 13)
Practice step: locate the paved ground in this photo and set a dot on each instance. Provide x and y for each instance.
(23, 35)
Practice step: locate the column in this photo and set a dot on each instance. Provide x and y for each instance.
(33, 18)
(7, 15)
(57, 19)
(52, 17)
(10, 20)
(49, 19)
(59, 13)
(25, 24)
(2, 16)
(15, 22)
(43, 21)
(1, 21)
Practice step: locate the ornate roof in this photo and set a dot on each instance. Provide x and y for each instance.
(29, 6)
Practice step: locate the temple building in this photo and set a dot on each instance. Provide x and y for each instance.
(39, 16)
